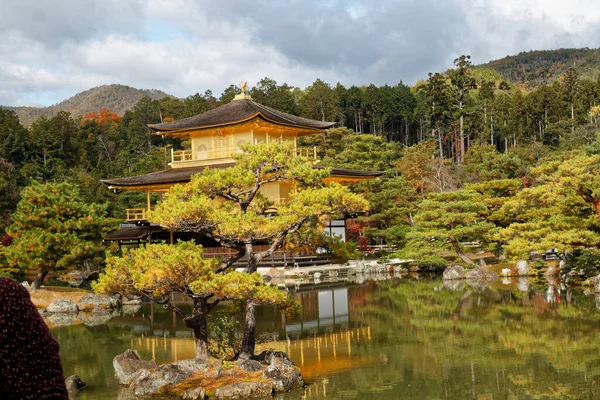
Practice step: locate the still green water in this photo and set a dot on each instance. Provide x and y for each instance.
(403, 338)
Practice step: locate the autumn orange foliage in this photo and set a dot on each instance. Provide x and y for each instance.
(103, 117)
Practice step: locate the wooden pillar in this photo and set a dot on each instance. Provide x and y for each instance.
(148, 198)
(171, 237)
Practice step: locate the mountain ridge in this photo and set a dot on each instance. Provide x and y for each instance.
(540, 67)
(117, 98)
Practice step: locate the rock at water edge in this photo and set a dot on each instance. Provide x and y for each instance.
(480, 277)
(285, 377)
(62, 306)
(194, 394)
(74, 383)
(149, 382)
(522, 268)
(244, 390)
(97, 302)
(454, 271)
(250, 365)
(281, 370)
(129, 364)
(597, 284)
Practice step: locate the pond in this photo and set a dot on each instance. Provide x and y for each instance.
(408, 338)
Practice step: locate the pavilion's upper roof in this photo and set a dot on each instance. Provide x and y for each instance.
(237, 111)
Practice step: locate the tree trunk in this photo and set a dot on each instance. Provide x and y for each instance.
(492, 128)
(439, 136)
(596, 203)
(197, 322)
(39, 278)
(572, 117)
(459, 251)
(252, 264)
(249, 339)
(462, 138)
(201, 338)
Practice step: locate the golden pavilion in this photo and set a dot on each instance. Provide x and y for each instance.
(214, 136)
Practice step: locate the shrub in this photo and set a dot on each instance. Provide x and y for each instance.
(587, 260)
(431, 264)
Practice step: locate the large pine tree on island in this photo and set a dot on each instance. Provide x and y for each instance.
(227, 206)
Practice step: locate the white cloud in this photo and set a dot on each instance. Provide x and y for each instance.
(188, 46)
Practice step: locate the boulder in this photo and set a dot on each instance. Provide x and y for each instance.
(85, 279)
(97, 302)
(62, 306)
(131, 300)
(285, 376)
(281, 370)
(74, 383)
(194, 394)
(250, 365)
(597, 284)
(129, 365)
(61, 319)
(131, 309)
(400, 270)
(522, 268)
(192, 365)
(244, 390)
(276, 273)
(480, 277)
(268, 356)
(454, 271)
(149, 382)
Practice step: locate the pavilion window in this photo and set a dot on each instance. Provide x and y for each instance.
(202, 152)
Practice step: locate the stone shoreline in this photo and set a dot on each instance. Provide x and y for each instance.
(260, 377)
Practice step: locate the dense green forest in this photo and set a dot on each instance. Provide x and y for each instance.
(467, 156)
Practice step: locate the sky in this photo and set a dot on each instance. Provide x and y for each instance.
(53, 49)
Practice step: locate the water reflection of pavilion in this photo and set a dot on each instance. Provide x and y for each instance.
(320, 341)
(324, 310)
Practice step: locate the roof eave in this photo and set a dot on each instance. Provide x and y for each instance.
(162, 131)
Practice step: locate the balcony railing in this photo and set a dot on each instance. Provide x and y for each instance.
(308, 152)
(186, 156)
(136, 214)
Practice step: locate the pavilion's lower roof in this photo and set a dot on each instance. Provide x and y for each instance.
(137, 233)
(184, 175)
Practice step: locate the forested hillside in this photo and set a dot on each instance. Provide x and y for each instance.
(540, 67)
(117, 98)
